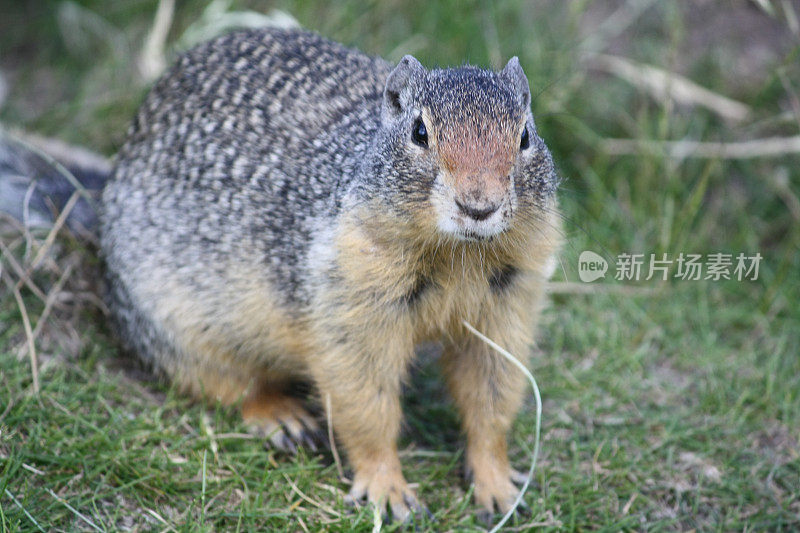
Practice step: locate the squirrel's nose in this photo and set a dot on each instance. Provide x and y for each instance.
(477, 213)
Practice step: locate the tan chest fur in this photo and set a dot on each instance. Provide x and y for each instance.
(429, 287)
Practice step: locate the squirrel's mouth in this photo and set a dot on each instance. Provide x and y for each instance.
(476, 223)
(480, 234)
(470, 236)
(455, 223)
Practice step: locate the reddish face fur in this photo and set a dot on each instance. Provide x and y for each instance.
(478, 159)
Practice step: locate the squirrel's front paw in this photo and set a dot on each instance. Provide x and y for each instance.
(494, 483)
(282, 419)
(382, 483)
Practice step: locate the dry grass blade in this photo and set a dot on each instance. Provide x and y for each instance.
(791, 17)
(25, 511)
(766, 6)
(51, 237)
(618, 22)
(28, 334)
(538, 426)
(769, 147)
(152, 60)
(780, 182)
(19, 271)
(305, 497)
(48, 305)
(334, 451)
(662, 84)
(75, 511)
(161, 519)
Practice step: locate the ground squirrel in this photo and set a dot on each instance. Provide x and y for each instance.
(285, 208)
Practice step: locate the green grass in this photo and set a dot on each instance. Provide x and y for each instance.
(667, 406)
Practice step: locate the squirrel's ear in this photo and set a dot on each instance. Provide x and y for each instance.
(513, 73)
(399, 79)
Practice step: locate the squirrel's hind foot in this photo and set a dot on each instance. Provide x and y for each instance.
(282, 419)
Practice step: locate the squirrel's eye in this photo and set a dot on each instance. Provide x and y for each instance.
(525, 141)
(419, 134)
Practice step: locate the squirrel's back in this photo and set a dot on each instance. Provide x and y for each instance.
(238, 149)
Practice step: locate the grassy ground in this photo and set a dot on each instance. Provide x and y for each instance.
(667, 405)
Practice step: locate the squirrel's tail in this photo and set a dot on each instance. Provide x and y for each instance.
(39, 178)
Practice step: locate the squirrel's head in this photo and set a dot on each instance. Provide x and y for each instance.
(461, 143)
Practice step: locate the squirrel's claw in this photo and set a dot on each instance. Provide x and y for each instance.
(494, 488)
(383, 493)
(518, 478)
(285, 424)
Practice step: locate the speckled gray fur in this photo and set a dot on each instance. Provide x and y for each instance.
(253, 141)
